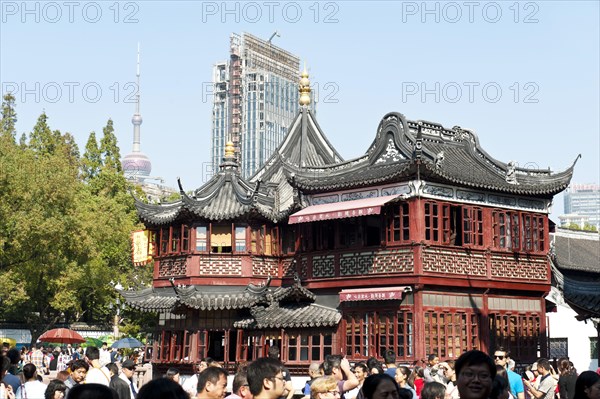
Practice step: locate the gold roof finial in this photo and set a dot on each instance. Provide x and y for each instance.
(229, 150)
(304, 88)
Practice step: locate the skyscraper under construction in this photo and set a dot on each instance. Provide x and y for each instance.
(255, 98)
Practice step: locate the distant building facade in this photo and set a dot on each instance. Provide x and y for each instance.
(254, 101)
(582, 200)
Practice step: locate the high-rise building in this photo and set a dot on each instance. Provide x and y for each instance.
(255, 98)
(582, 202)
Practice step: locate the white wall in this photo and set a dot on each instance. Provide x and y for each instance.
(563, 324)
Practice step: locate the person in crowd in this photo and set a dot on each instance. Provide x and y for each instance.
(62, 375)
(339, 367)
(274, 353)
(120, 386)
(325, 388)
(16, 367)
(547, 385)
(433, 390)
(374, 365)
(53, 363)
(500, 386)
(97, 374)
(450, 376)
(587, 385)
(63, 360)
(475, 373)
(502, 372)
(127, 371)
(190, 385)
(314, 371)
(402, 375)
(162, 388)
(32, 388)
(418, 380)
(92, 391)
(382, 386)
(8, 379)
(431, 372)
(240, 388)
(361, 371)
(502, 358)
(389, 357)
(265, 378)
(79, 369)
(37, 358)
(104, 354)
(173, 374)
(56, 390)
(567, 378)
(212, 383)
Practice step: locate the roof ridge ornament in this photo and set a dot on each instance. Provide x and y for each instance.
(511, 173)
(304, 89)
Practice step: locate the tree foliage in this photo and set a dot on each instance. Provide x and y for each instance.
(65, 226)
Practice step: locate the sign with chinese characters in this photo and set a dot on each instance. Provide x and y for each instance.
(374, 294)
(142, 247)
(347, 213)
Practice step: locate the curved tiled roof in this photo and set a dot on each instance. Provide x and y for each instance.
(290, 316)
(240, 298)
(226, 196)
(151, 299)
(454, 156)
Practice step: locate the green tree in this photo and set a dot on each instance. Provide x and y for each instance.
(109, 148)
(62, 240)
(92, 159)
(9, 117)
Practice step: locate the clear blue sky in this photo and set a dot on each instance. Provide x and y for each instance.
(523, 75)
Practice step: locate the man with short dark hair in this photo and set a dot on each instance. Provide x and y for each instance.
(475, 373)
(339, 367)
(79, 369)
(265, 377)
(117, 383)
(431, 372)
(240, 388)
(546, 386)
(212, 383)
(127, 371)
(501, 357)
(97, 373)
(104, 354)
(37, 358)
(274, 353)
(389, 357)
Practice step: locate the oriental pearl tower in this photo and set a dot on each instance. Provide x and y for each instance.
(136, 165)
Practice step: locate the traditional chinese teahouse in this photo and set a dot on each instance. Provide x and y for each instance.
(425, 244)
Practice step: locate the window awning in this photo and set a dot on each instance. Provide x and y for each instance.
(340, 210)
(374, 294)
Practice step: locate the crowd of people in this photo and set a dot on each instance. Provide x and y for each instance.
(474, 375)
(23, 372)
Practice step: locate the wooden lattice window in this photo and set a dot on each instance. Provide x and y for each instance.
(450, 333)
(304, 347)
(372, 333)
(398, 224)
(518, 231)
(519, 333)
(472, 223)
(437, 222)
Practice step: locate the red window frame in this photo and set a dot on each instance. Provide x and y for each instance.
(398, 223)
(371, 332)
(518, 231)
(449, 333)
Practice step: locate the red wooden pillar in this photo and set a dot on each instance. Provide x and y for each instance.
(419, 325)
